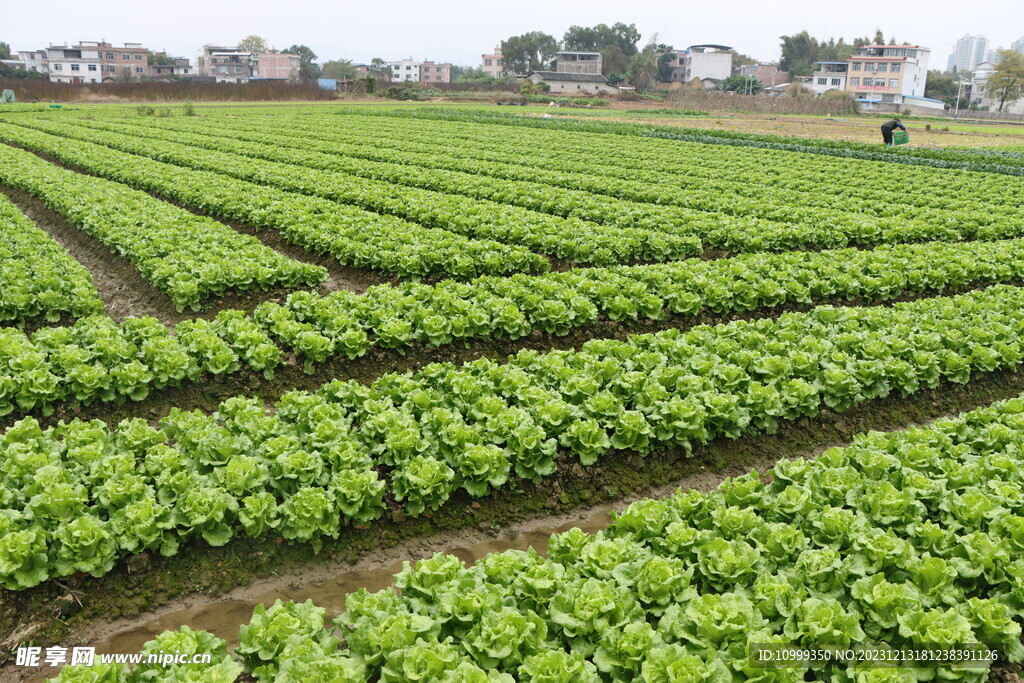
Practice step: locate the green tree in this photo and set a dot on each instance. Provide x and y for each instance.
(380, 69)
(253, 44)
(739, 59)
(613, 60)
(5, 50)
(942, 86)
(642, 69)
(665, 61)
(533, 51)
(8, 71)
(473, 75)
(160, 59)
(799, 52)
(341, 69)
(308, 68)
(1006, 84)
(748, 85)
(597, 38)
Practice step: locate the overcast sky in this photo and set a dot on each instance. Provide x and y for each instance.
(459, 31)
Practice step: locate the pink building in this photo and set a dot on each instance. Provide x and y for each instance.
(493, 64)
(431, 72)
(278, 65)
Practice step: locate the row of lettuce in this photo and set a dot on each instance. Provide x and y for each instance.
(984, 161)
(353, 236)
(98, 360)
(545, 217)
(188, 257)
(680, 190)
(39, 279)
(78, 496)
(902, 540)
(568, 239)
(558, 150)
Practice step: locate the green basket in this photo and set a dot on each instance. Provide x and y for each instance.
(900, 137)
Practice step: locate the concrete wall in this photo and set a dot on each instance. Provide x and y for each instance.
(578, 64)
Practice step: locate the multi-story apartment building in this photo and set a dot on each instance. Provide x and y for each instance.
(432, 72)
(128, 62)
(970, 51)
(74, 64)
(405, 70)
(277, 65)
(888, 73)
(493, 64)
(226, 64)
(702, 62)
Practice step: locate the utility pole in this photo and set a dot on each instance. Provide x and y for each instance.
(959, 85)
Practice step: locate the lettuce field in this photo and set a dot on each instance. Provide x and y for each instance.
(261, 340)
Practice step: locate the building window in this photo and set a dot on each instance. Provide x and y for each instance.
(855, 66)
(75, 67)
(92, 67)
(836, 81)
(138, 58)
(138, 69)
(58, 67)
(487, 62)
(822, 81)
(110, 55)
(868, 66)
(883, 67)
(111, 69)
(894, 83)
(895, 68)
(126, 57)
(238, 69)
(855, 80)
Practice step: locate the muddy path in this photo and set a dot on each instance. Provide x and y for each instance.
(203, 584)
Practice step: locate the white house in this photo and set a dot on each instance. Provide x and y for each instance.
(405, 70)
(34, 60)
(980, 94)
(829, 76)
(72, 65)
(702, 62)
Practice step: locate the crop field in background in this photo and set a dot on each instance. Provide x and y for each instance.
(306, 327)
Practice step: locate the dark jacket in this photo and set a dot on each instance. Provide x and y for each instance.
(893, 123)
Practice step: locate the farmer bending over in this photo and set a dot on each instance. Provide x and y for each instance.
(887, 129)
